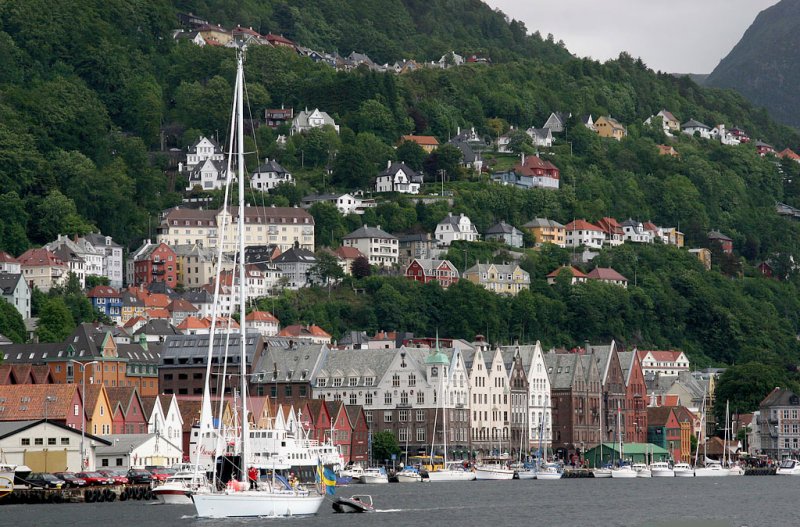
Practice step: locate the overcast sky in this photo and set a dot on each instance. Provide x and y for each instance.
(675, 36)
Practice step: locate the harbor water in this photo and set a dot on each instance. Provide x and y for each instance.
(658, 502)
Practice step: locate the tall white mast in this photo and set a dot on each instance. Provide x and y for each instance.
(242, 283)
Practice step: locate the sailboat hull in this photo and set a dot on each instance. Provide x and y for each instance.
(255, 503)
(449, 474)
(601, 473)
(493, 473)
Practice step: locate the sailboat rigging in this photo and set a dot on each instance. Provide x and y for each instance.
(237, 500)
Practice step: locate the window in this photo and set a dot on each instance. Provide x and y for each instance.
(118, 462)
(412, 379)
(420, 435)
(420, 397)
(404, 398)
(65, 441)
(105, 462)
(402, 416)
(369, 381)
(352, 381)
(368, 415)
(322, 382)
(337, 382)
(353, 399)
(25, 441)
(387, 398)
(395, 380)
(75, 410)
(368, 399)
(38, 441)
(420, 416)
(51, 441)
(402, 435)
(387, 417)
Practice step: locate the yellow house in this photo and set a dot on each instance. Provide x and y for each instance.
(427, 142)
(547, 231)
(607, 126)
(704, 255)
(99, 418)
(505, 279)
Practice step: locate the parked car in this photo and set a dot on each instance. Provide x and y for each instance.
(70, 479)
(118, 476)
(44, 480)
(161, 473)
(139, 475)
(95, 478)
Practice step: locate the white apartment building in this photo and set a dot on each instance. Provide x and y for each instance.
(453, 228)
(380, 247)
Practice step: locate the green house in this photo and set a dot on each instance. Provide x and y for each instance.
(633, 452)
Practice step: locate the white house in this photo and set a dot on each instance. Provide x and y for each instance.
(635, 232)
(380, 247)
(208, 175)
(582, 233)
(453, 228)
(164, 417)
(398, 178)
(345, 203)
(9, 264)
(269, 175)
(541, 136)
(670, 362)
(15, 290)
(539, 404)
(46, 446)
(305, 121)
(489, 399)
(721, 134)
(264, 322)
(668, 122)
(557, 122)
(126, 451)
(691, 126)
(112, 264)
(202, 150)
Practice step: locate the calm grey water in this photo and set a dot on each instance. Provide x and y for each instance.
(677, 502)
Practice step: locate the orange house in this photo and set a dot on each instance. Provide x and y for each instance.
(99, 413)
(427, 142)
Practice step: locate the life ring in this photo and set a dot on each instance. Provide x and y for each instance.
(139, 493)
(112, 496)
(123, 496)
(88, 496)
(100, 496)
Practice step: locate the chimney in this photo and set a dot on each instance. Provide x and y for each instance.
(523, 158)
(388, 163)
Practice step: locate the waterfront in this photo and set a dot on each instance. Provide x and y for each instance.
(715, 502)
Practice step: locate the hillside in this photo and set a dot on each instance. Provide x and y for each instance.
(90, 90)
(765, 65)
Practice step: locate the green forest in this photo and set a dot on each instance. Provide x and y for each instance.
(90, 91)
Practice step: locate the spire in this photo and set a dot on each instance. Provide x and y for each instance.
(437, 356)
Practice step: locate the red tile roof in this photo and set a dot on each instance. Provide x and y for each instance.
(7, 258)
(610, 226)
(180, 304)
(581, 225)
(261, 316)
(24, 402)
(573, 271)
(660, 355)
(103, 291)
(788, 153)
(348, 253)
(39, 258)
(422, 140)
(533, 165)
(157, 313)
(191, 322)
(133, 321)
(297, 330)
(605, 273)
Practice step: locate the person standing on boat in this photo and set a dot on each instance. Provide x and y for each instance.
(252, 475)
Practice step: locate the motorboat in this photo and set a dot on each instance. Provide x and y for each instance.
(409, 475)
(642, 470)
(355, 503)
(601, 472)
(789, 467)
(374, 475)
(354, 472)
(493, 469)
(712, 469)
(683, 470)
(623, 472)
(550, 471)
(736, 470)
(17, 474)
(178, 488)
(452, 471)
(661, 469)
(524, 471)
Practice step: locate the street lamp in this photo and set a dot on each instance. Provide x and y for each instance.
(83, 403)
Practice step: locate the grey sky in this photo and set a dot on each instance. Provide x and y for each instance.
(676, 36)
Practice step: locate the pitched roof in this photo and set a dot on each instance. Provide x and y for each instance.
(7, 258)
(103, 291)
(261, 316)
(35, 401)
(570, 269)
(543, 223)
(366, 231)
(10, 428)
(533, 164)
(180, 304)
(297, 331)
(39, 258)
(501, 228)
(605, 273)
(192, 322)
(780, 397)
(691, 123)
(658, 415)
(422, 140)
(716, 235)
(582, 225)
(348, 253)
(8, 282)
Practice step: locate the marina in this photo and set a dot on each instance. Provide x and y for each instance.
(748, 501)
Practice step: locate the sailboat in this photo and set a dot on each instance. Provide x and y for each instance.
(624, 471)
(452, 470)
(546, 471)
(267, 499)
(734, 469)
(710, 468)
(601, 471)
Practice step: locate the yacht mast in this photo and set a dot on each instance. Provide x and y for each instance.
(242, 284)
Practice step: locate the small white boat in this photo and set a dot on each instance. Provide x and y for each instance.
(736, 470)
(642, 470)
(661, 469)
(601, 472)
(409, 475)
(453, 471)
(623, 472)
(550, 471)
(493, 470)
(683, 470)
(789, 467)
(355, 503)
(178, 489)
(524, 472)
(374, 475)
(354, 472)
(711, 470)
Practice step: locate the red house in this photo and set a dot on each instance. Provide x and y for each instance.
(316, 419)
(724, 242)
(634, 415)
(359, 439)
(426, 270)
(155, 263)
(740, 134)
(342, 428)
(664, 430)
(129, 414)
(763, 148)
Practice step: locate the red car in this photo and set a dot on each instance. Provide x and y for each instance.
(117, 475)
(70, 479)
(95, 478)
(161, 473)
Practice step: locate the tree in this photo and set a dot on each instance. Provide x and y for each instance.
(352, 169)
(361, 268)
(746, 385)
(57, 214)
(412, 154)
(55, 321)
(11, 323)
(520, 142)
(384, 444)
(376, 118)
(327, 268)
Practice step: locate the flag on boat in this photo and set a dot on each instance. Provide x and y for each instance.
(327, 478)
